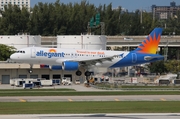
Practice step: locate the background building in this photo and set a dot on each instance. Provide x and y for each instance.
(165, 12)
(90, 42)
(20, 41)
(20, 3)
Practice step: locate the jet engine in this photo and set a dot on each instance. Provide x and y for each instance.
(69, 65)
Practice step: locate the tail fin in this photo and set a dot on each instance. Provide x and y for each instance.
(150, 44)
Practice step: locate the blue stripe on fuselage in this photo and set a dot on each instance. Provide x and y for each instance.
(134, 58)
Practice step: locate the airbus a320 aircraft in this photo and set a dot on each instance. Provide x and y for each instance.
(73, 59)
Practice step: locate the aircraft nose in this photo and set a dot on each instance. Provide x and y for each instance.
(13, 57)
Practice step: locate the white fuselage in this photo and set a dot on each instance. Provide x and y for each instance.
(55, 56)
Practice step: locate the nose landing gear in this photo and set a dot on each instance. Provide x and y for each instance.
(30, 70)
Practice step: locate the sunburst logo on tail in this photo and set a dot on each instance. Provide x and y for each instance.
(151, 45)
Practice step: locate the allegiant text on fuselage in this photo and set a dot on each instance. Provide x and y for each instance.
(50, 54)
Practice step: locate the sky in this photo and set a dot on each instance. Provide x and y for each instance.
(130, 5)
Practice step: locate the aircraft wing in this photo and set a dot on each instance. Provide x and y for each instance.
(94, 61)
(147, 58)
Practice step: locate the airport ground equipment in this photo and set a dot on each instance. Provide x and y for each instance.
(66, 81)
(166, 79)
(28, 85)
(77, 81)
(19, 82)
(89, 81)
(176, 81)
(50, 82)
(36, 83)
(46, 82)
(12, 82)
(56, 81)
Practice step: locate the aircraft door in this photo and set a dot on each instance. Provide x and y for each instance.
(72, 55)
(134, 57)
(33, 53)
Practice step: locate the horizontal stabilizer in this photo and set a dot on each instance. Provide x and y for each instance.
(147, 58)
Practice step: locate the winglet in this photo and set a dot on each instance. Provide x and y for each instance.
(150, 44)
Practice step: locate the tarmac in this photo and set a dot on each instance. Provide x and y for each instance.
(96, 116)
(80, 87)
(87, 98)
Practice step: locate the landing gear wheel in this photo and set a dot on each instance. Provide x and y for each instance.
(87, 73)
(78, 73)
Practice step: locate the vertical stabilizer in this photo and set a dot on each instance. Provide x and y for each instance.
(150, 44)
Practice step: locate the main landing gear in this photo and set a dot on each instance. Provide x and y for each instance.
(79, 73)
(87, 74)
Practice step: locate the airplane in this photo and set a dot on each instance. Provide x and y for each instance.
(73, 59)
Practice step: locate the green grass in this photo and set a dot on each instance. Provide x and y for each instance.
(136, 86)
(74, 93)
(88, 107)
(150, 87)
(30, 90)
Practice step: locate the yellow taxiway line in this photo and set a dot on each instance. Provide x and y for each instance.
(70, 100)
(116, 99)
(22, 100)
(162, 99)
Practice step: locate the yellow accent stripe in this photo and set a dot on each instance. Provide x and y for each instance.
(116, 99)
(22, 100)
(70, 100)
(162, 99)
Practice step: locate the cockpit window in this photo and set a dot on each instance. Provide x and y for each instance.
(20, 51)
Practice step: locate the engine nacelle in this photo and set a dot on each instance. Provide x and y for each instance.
(68, 65)
(56, 67)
